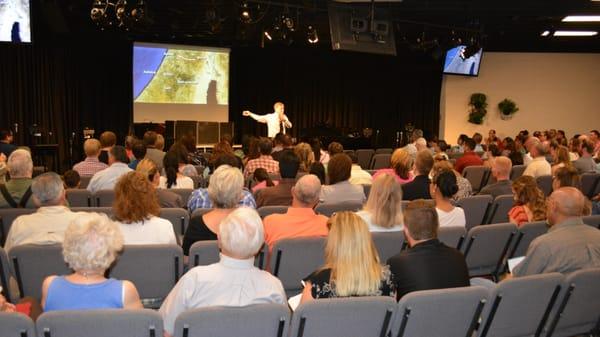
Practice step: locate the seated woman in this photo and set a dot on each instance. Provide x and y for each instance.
(306, 156)
(136, 208)
(166, 198)
(225, 191)
(174, 178)
(92, 242)
(530, 202)
(340, 189)
(262, 179)
(383, 210)
(402, 164)
(443, 187)
(464, 186)
(352, 265)
(561, 158)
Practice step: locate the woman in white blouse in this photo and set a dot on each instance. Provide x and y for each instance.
(383, 210)
(174, 178)
(442, 188)
(136, 208)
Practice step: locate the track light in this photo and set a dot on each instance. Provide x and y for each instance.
(245, 15)
(312, 35)
(139, 11)
(108, 13)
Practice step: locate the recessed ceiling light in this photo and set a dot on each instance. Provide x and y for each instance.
(582, 18)
(574, 33)
(546, 33)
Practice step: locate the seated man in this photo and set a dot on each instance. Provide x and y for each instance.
(48, 224)
(419, 187)
(428, 263)
(569, 245)
(469, 157)
(358, 176)
(138, 149)
(266, 161)
(586, 163)
(233, 281)
(281, 194)
(153, 152)
(501, 171)
(16, 193)
(91, 164)
(107, 178)
(538, 166)
(300, 219)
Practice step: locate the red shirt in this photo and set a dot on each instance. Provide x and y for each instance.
(469, 158)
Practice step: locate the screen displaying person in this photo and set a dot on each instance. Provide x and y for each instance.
(276, 122)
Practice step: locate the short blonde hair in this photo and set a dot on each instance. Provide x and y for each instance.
(402, 162)
(385, 202)
(92, 241)
(91, 147)
(225, 187)
(306, 156)
(241, 232)
(352, 257)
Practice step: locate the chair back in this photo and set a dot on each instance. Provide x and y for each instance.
(516, 171)
(592, 220)
(330, 208)
(545, 184)
(293, 259)
(527, 233)
(184, 193)
(589, 184)
(475, 208)
(486, 248)
(388, 244)
(384, 150)
(84, 181)
(498, 211)
(79, 197)
(364, 157)
(268, 210)
(380, 161)
(104, 198)
(16, 324)
(7, 216)
(477, 175)
(179, 218)
(452, 236)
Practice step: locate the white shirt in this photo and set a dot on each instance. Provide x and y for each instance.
(342, 192)
(152, 231)
(539, 166)
(230, 283)
(454, 218)
(358, 176)
(181, 182)
(45, 227)
(274, 125)
(367, 217)
(107, 178)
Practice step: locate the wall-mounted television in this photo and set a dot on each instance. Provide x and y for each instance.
(463, 60)
(15, 21)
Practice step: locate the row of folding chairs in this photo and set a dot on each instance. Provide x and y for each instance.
(540, 305)
(106, 198)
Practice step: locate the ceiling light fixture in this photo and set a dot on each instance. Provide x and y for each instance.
(546, 33)
(245, 15)
(312, 35)
(579, 33)
(581, 18)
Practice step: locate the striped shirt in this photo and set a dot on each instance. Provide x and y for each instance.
(89, 166)
(266, 162)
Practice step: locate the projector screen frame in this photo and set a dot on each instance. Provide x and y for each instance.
(31, 39)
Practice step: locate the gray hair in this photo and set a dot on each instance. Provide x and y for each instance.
(241, 233)
(307, 189)
(47, 189)
(20, 164)
(225, 187)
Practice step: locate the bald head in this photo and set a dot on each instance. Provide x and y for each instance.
(501, 168)
(565, 202)
(306, 191)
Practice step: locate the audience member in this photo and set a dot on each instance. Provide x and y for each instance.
(251, 151)
(6, 145)
(262, 180)
(469, 157)
(108, 139)
(530, 202)
(442, 188)
(90, 165)
(319, 170)
(478, 138)
(152, 151)
(160, 143)
(92, 242)
(383, 210)
(281, 195)
(48, 224)
(358, 176)
(233, 281)
(138, 151)
(340, 189)
(560, 158)
(419, 187)
(574, 148)
(265, 160)
(411, 148)
(510, 151)
(71, 179)
(428, 263)
(320, 155)
(166, 198)
(305, 155)
(402, 164)
(538, 166)
(129, 141)
(107, 178)
(225, 190)
(136, 209)
(335, 148)
(569, 245)
(16, 193)
(565, 177)
(352, 266)
(492, 139)
(464, 186)
(460, 143)
(594, 137)
(586, 163)
(174, 178)
(300, 220)
(3, 168)
(501, 168)
(183, 158)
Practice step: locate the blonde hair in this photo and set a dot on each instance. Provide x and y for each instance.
(160, 142)
(92, 241)
(147, 168)
(385, 202)
(402, 162)
(352, 257)
(306, 156)
(91, 147)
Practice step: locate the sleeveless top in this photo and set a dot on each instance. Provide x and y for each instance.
(64, 295)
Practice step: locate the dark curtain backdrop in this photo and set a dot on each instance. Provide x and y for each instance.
(68, 86)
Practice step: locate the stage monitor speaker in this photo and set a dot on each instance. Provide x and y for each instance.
(226, 129)
(208, 133)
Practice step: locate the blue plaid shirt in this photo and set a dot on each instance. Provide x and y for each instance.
(200, 199)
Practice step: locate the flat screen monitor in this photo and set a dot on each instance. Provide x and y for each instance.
(463, 60)
(15, 21)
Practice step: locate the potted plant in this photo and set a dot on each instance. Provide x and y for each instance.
(507, 108)
(478, 104)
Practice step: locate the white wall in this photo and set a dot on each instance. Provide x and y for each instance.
(560, 91)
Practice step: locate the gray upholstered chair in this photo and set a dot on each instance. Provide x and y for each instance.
(527, 233)
(475, 208)
(329, 209)
(477, 175)
(7, 216)
(380, 161)
(486, 248)
(545, 184)
(388, 244)
(179, 217)
(15, 324)
(104, 198)
(364, 158)
(268, 210)
(184, 193)
(499, 209)
(452, 236)
(517, 171)
(79, 197)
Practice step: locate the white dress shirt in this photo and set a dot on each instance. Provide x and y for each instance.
(230, 283)
(45, 227)
(154, 230)
(274, 125)
(107, 178)
(539, 166)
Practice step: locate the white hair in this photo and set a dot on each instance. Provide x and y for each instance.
(241, 233)
(47, 188)
(421, 141)
(225, 187)
(307, 189)
(20, 164)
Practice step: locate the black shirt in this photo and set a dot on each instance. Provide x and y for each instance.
(322, 288)
(428, 265)
(416, 189)
(7, 149)
(196, 231)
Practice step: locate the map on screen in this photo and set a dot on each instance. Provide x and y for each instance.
(15, 19)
